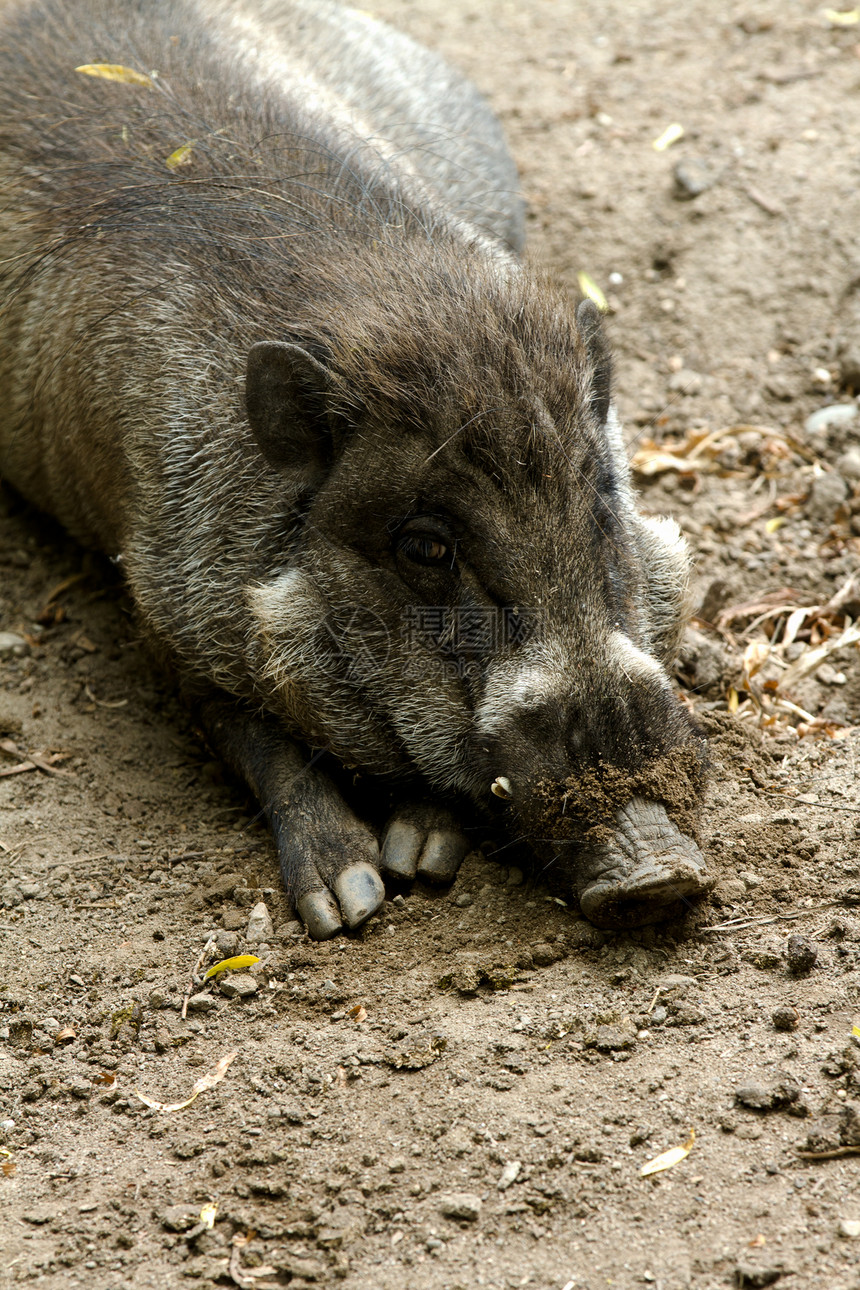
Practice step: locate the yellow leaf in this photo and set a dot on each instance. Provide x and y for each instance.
(669, 1158)
(842, 17)
(670, 135)
(774, 524)
(181, 156)
(231, 965)
(855, 1031)
(733, 699)
(205, 1082)
(207, 1214)
(115, 72)
(589, 288)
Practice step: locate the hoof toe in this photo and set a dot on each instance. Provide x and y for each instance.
(320, 915)
(360, 892)
(401, 848)
(442, 856)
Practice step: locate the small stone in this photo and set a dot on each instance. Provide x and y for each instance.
(238, 985)
(837, 414)
(292, 931)
(826, 495)
(692, 177)
(729, 890)
(11, 894)
(515, 877)
(750, 880)
(201, 1003)
(397, 1165)
(784, 1018)
(544, 954)
(227, 943)
(29, 890)
(801, 954)
(849, 1228)
(233, 920)
(260, 926)
(13, 644)
(848, 465)
(80, 1088)
(509, 1174)
(827, 674)
(463, 900)
(179, 1218)
(755, 1097)
(615, 1039)
(159, 998)
(460, 1205)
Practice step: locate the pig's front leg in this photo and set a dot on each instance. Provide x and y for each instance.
(329, 859)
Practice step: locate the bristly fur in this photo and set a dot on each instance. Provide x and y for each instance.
(456, 385)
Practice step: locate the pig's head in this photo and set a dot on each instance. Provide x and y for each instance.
(471, 596)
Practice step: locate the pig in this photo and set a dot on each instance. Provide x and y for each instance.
(267, 341)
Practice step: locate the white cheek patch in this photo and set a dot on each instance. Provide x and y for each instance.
(513, 687)
(633, 663)
(286, 604)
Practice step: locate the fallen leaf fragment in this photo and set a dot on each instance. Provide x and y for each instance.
(180, 156)
(115, 72)
(358, 1013)
(107, 1078)
(855, 1031)
(591, 291)
(205, 1082)
(776, 523)
(842, 17)
(229, 965)
(668, 1158)
(66, 1035)
(670, 135)
(7, 1168)
(208, 1213)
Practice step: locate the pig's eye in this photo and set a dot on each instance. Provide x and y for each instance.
(435, 549)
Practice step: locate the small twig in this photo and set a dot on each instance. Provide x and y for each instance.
(833, 1154)
(739, 924)
(195, 975)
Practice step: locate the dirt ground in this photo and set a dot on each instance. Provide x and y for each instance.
(464, 1093)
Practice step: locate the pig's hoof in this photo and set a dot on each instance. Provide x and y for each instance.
(360, 892)
(319, 913)
(650, 872)
(423, 842)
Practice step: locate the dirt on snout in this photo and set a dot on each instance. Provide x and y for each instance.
(584, 807)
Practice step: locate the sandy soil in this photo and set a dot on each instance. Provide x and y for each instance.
(464, 1093)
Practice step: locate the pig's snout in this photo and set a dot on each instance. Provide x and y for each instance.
(646, 872)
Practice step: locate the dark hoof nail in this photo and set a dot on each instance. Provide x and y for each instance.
(640, 899)
(443, 854)
(320, 915)
(360, 892)
(401, 848)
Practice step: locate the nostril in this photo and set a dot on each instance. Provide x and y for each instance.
(502, 787)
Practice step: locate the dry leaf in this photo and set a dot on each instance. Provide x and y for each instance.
(670, 135)
(591, 291)
(230, 965)
(7, 1168)
(205, 1082)
(776, 523)
(115, 72)
(66, 1035)
(207, 1214)
(181, 156)
(358, 1013)
(669, 1158)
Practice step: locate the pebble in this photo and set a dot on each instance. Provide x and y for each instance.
(828, 675)
(801, 954)
(509, 1174)
(11, 894)
(461, 1205)
(515, 877)
(179, 1218)
(729, 890)
(238, 985)
(233, 920)
(202, 1003)
(692, 177)
(12, 643)
(848, 465)
(849, 1227)
(464, 900)
(784, 1018)
(260, 926)
(828, 492)
(227, 943)
(836, 414)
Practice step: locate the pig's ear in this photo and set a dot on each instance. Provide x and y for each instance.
(590, 327)
(287, 400)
